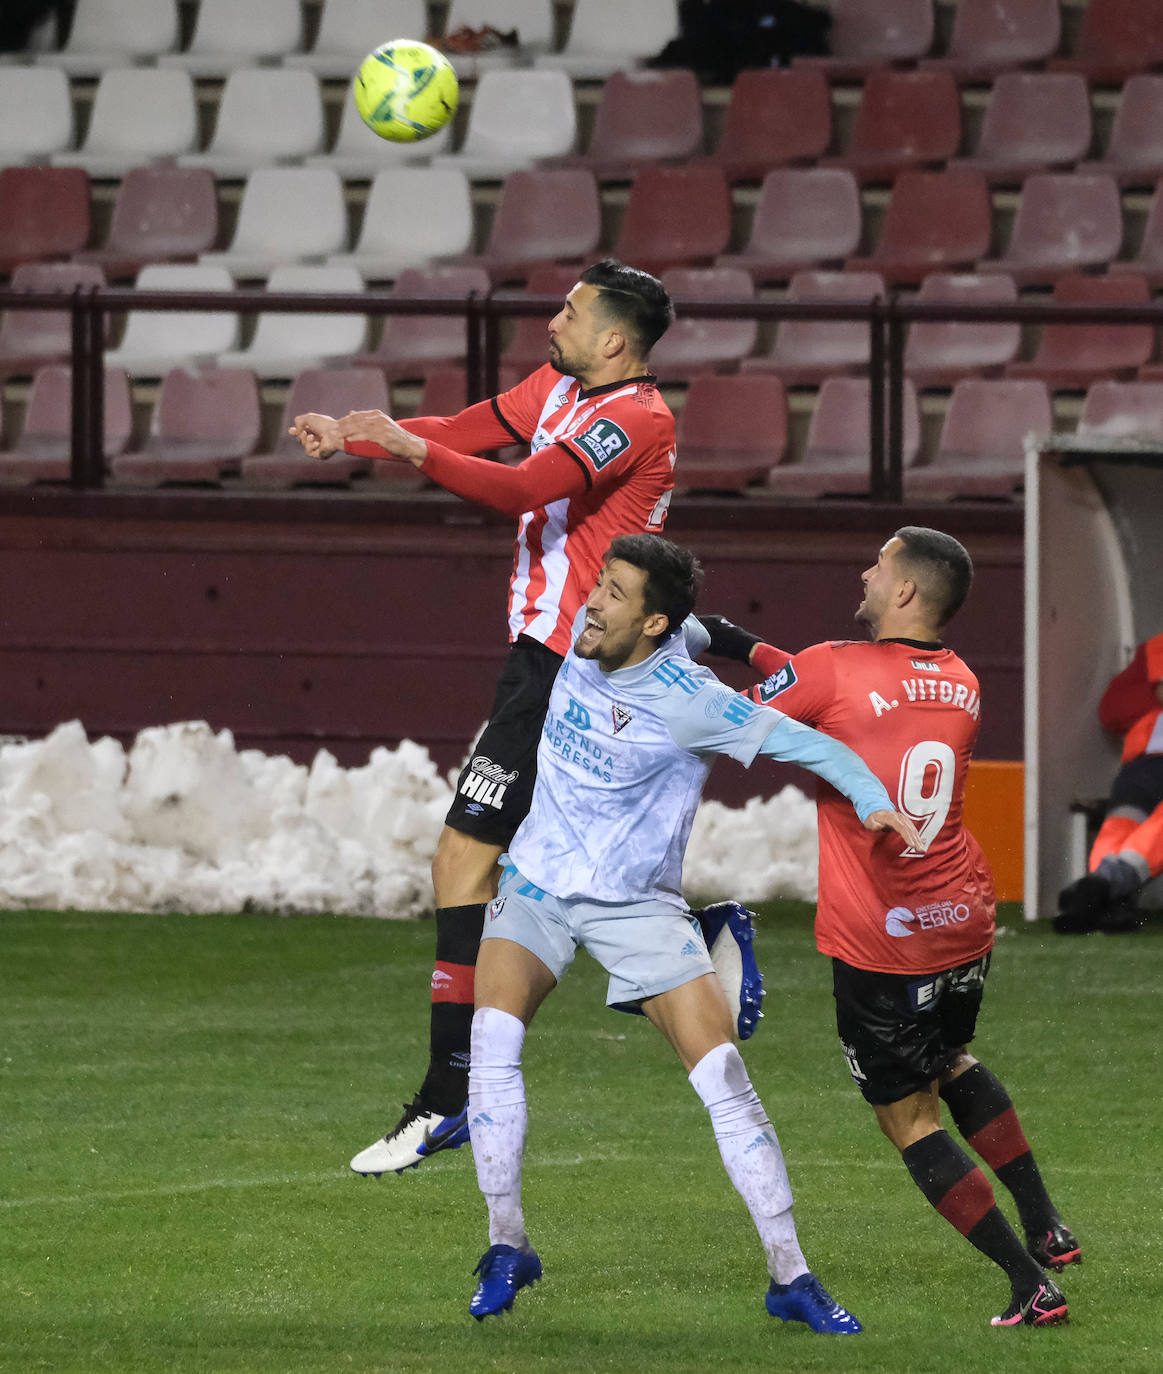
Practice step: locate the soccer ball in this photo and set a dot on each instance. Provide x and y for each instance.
(405, 90)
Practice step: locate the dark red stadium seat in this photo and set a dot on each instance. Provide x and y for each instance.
(774, 118)
(982, 446)
(935, 221)
(29, 339)
(45, 214)
(203, 424)
(836, 458)
(1134, 156)
(162, 213)
(730, 432)
(411, 345)
(1071, 356)
(867, 34)
(691, 346)
(1148, 261)
(905, 119)
(445, 392)
(993, 36)
(806, 217)
(528, 345)
(676, 217)
(643, 118)
(941, 352)
(1123, 410)
(329, 391)
(810, 351)
(1064, 223)
(43, 453)
(1034, 121)
(1117, 39)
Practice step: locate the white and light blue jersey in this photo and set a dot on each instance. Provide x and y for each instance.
(621, 765)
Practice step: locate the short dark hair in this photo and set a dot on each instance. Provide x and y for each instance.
(632, 299)
(672, 573)
(941, 568)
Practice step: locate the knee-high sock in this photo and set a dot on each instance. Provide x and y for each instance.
(752, 1156)
(1110, 838)
(1145, 843)
(458, 937)
(496, 1121)
(958, 1189)
(985, 1116)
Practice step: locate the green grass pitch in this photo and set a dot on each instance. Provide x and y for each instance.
(181, 1095)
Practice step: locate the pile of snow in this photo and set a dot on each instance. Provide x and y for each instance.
(184, 822)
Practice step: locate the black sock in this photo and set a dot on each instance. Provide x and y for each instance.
(985, 1116)
(957, 1188)
(458, 937)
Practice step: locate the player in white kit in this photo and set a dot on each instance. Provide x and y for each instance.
(632, 728)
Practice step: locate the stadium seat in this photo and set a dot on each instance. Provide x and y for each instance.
(941, 352)
(203, 424)
(1117, 39)
(358, 153)
(517, 118)
(445, 392)
(411, 345)
(246, 137)
(935, 221)
(982, 447)
(528, 344)
(993, 36)
(44, 451)
(730, 432)
(806, 352)
(675, 217)
(774, 118)
(36, 114)
(1123, 410)
(154, 341)
(115, 33)
(607, 36)
(285, 344)
(543, 216)
(394, 236)
(532, 20)
(229, 35)
(805, 217)
(1134, 156)
(836, 459)
(327, 391)
(905, 119)
(643, 118)
(46, 214)
(693, 346)
(1034, 121)
(1071, 356)
(1064, 223)
(1148, 260)
(160, 214)
(350, 29)
(119, 137)
(286, 214)
(31, 338)
(869, 34)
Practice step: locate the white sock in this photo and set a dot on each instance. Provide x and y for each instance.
(496, 1120)
(751, 1154)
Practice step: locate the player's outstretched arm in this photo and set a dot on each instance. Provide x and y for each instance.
(317, 433)
(374, 427)
(894, 820)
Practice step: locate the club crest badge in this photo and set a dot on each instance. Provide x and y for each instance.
(622, 717)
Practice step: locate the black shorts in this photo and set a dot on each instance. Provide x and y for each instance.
(494, 790)
(900, 1031)
(1138, 783)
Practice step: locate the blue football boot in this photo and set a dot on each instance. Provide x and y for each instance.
(807, 1300)
(504, 1272)
(729, 930)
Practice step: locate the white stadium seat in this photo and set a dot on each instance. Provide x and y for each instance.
(115, 33)
(266, 115)
(413, 214)
(286, 213)
(229, 34)
(350, 29)
(284, 344)
(358, 153)
(36, 114)
(607, 36)
(119, 137)
(517, 118)
(157, 340)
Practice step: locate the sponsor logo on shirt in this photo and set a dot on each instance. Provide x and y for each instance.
(901, 921)
(603, 441)
(486, 783)
(622, 717)
(925, 666)
(577, 715)
(777, 682)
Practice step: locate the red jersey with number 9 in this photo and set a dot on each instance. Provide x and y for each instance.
(911, 712)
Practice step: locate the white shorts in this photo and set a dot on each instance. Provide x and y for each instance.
(646, 948)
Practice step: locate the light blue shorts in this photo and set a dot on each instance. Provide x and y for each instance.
(645, 947)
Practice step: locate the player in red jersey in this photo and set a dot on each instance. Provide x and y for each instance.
(601, 464)
(1128, 849)
(910, 940)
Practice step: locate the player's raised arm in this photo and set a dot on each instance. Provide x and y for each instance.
(319, 434)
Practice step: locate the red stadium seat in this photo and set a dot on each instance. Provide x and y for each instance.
(774, 118)
(982, 446)
(941, 352)
(1117, 39)
(993, 36)
(161, 214)
(29, 339)
(806, 217)
(676, 217)
(203, 424)
(905, 119)
(544, 216)
(643, 118)
(1148, 261)
(1065, 222)
(836, 457)
(411, 345)
(810, 351)
(445, 392)
(43, 454)
(1123, 410)
(692, 346)
(935, 221)
(730, 432)
(329, 391)
(867, 34)
(1071, 356)
(1134, 156)
(1034, 121)
(45, 214)
(528, 346)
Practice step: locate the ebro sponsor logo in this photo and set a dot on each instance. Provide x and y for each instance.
(901, 921)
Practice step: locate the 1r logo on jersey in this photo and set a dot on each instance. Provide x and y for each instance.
(487, 782)
(603, 441)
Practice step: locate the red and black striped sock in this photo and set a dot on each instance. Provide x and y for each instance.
(985, 1116)
(458, 937)
(962, 1194)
